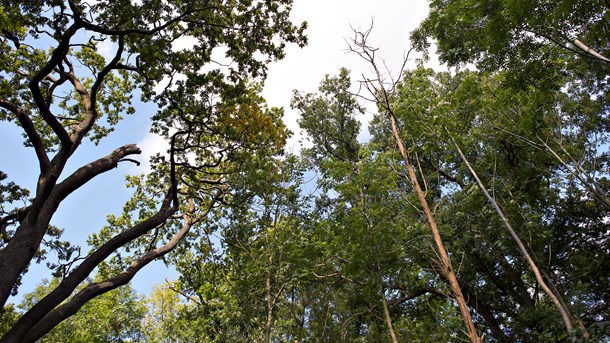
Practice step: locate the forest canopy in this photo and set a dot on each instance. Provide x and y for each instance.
(475, 208)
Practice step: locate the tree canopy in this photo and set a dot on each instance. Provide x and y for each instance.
(57, 86)
(475, 206)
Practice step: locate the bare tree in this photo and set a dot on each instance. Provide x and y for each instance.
(382, 92)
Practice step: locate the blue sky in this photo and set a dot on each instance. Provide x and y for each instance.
(84, 212)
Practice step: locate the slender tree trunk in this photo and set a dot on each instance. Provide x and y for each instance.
(577, 171)
(386, 309)
(580, 174)
(386, 313)
(590, 51)
(440, 246)
(382, 98)
(269, 321)
(490, 319)
(555, 298)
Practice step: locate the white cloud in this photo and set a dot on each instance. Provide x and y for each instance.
(151, 144)
(165, 82)
(329, 30)
(107, 49)
(184, 43)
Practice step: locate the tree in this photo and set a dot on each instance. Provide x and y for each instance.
(342, 272)
(526, 182)
(377, 88)
(235, 289)
(370, 280)
(61, 95)
(166, 319)
(518, 35)
(115, 316)
(557, 46)
(550, 57)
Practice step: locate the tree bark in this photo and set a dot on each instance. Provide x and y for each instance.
(438, 241)
(270, 304)
(18, 253)
(47, 304)
(590, 51)
(386, 309)
(566, 316)
(382, 98)
(32, 331)
(488, 316)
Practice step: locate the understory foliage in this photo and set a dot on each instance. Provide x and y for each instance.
(333, 245)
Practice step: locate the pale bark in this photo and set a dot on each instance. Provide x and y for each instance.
(566, 316)
(588, 50)
(386, 309)
(579, 173)
(386, 313)
(382, 98)
(438, 241)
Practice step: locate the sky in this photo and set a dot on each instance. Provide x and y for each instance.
(330, 28)
(330, 25)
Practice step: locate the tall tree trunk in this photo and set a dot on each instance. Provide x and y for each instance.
(386, 313)
(561, 306)
(438, 241)
(382, 98)
(270, 304)
(386, 309)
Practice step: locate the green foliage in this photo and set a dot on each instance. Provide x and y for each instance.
(113, 317)
(8, 316)
(322, 258)
(237, 288)
(271, 257)
(502, 131)
(511, 31)
(69, 70)
(329, 118)
(167, 318)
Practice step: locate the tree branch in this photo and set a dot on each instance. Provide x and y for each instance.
(80, 273)
(90, 102)
(115, 32)
(95, 289)
(87, 172)
(56, 57)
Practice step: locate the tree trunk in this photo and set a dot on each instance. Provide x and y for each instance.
(386, 313)
(382, 99)
(384, 302)
(440, 246)
(566, 316)
(270, 305)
